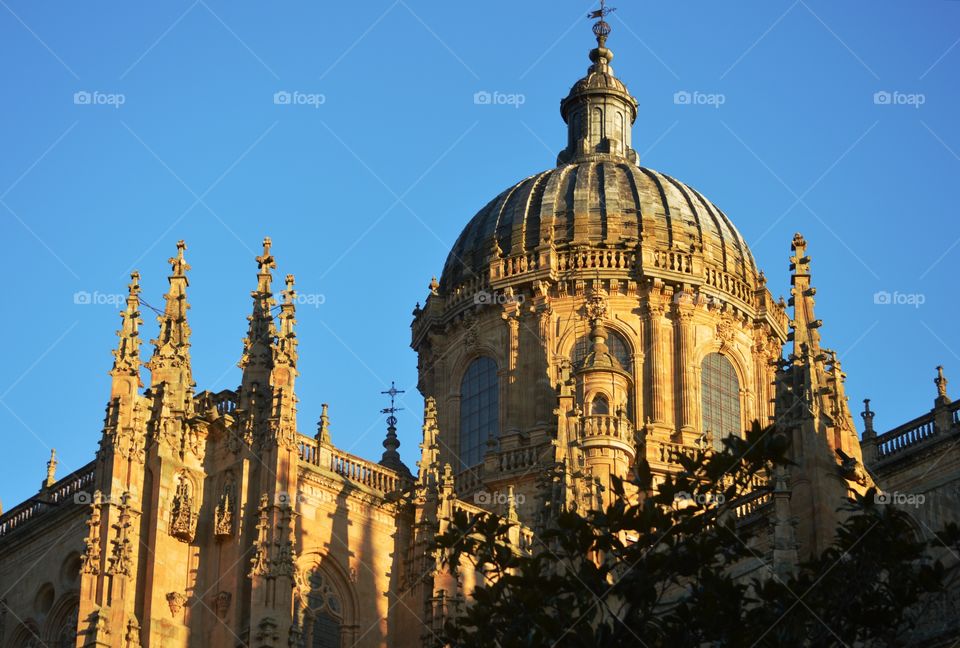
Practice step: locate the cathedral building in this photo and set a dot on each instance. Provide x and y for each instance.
(591, 315)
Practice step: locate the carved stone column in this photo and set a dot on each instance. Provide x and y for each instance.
(656, 307)
(683, 322)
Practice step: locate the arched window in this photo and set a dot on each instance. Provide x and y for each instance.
(479, 410)
(720, 398)
(596, 127)
(324, 616)
(600, 405)
(618, 349)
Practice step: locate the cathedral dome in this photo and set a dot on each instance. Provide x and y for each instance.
(604, 203)
(599, 198)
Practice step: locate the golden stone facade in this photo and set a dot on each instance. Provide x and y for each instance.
(593, 314)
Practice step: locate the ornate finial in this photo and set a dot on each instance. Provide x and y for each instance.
(266, 260)
(51, 469)
(323, 426)
(941, 382)
(179, 265)
(601, 28)
(289, 293)
(867, 415)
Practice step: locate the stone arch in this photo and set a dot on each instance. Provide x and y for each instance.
(319, 570)
(62, 622)
(26, 635)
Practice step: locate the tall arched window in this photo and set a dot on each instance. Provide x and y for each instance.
(720, 398)
(479, 410)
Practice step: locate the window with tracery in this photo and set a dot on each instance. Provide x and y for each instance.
(323, 619)
(720, 399)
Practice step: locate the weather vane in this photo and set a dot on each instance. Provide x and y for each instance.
(392, 410)
(601, 29)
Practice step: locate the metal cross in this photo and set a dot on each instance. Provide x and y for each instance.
(392, 410)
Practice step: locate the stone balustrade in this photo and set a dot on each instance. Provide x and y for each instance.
(62, 493)
(603, 425)
(913, 433)
(350, 467)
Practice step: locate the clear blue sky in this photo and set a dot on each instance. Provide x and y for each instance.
(364, 194)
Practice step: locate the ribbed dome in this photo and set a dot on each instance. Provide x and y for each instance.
(607, 204)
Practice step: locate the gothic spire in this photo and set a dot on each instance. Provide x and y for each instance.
(171, 353)
(126, 357)
(261, 330)
(51, 469)
(815, 382)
